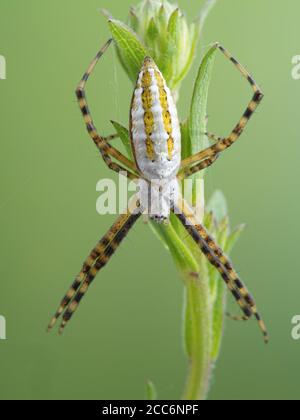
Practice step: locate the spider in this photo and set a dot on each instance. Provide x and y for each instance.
(156, 145)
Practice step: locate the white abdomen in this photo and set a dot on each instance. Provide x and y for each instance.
(155, 129)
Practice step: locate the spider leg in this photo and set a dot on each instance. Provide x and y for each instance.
(237, 318)
(107, 151)
(224, 143)
(217, 258)
(97, 259)
(213, 137)
(87, 266)
(111, 137)
(185, 173)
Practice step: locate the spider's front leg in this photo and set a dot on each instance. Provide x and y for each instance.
(187, 172)
(107, 150)
(98, 259)
(224, 143)
(111, 137)
(217, 258)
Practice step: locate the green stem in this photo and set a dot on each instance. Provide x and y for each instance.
(199, 332)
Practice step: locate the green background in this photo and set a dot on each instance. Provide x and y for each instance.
(129, 327)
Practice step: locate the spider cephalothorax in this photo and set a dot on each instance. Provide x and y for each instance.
(158, 168)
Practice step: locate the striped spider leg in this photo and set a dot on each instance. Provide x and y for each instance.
(106, 149)
(217, 258)
(107, 246)
(98, 259)
(222, 144)
(214, 254)
(111, 138)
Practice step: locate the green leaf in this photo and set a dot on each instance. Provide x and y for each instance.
(133, 20)
(182, 256)
(151, 394)
(168, 44)
(106, 13)
(219, 310)
(185, 140)
(124, 135)
(197, 119)
(220, 234)
(234, 237)
(131, 50)
(169, 59)
(192, 42)
(173, 25)
(162, 18)
(226, 241)
(195, 32)
(152, 31)
(219, 291)
(197, 139)
(209, 222)
(218, 206)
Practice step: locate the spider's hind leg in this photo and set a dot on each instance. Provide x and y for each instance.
(217, 258)
(97, 260)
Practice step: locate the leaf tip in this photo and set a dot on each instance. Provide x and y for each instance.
(151, 391)
(106, 13)
(132, 11)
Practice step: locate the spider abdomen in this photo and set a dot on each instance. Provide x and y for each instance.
(154, 125)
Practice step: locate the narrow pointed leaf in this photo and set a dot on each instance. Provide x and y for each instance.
(123, 133)
(152, 31)
(218, 206)
(131, 50)
(151, 393)
(173, 25)
(182, 256)
(106, 13)
(196, 30)
(234, 237)
(133, 20)
(162, 17)
(197, 120)
(218, 319)
(185, 140)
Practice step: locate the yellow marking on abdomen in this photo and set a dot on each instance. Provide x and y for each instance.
(165, 113)
(147, 100)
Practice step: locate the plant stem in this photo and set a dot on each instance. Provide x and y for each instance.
(198, 332)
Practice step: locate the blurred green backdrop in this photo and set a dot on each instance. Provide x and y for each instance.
(129, 327)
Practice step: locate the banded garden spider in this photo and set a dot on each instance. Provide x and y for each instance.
(156, 145)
